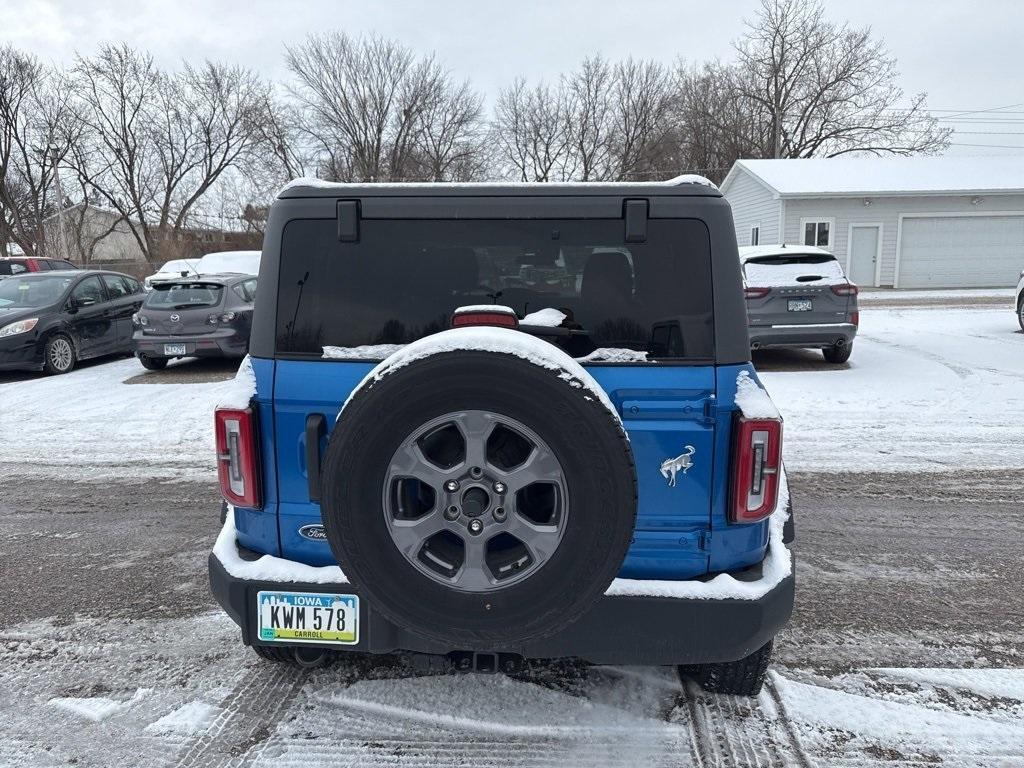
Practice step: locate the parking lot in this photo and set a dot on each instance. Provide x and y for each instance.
(906, 647)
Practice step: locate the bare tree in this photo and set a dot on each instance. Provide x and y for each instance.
(590, 118)
(641, 112)
(531, 132)
(825, 89)
(37, 129)
(451, 143)
(156, 143)
(375, 112)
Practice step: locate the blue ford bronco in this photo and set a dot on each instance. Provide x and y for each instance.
(489, 424)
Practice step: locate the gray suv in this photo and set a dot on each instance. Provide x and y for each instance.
(799, 296)
(207, 316)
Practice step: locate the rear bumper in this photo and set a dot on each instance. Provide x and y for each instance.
(223, 342)
(617, 630)
(809, 335)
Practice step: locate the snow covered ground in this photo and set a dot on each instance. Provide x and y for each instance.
(927, 389)
(184, 692)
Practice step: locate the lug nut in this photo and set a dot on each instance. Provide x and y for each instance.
(451, 513)
(451, 486)
(499, 514)
(475, 526)
(499, 487)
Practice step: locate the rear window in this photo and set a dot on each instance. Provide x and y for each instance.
(8, 267)
(766, 271)
(404, 278)
(184, 295)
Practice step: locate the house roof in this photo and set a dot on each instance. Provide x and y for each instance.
(856, 176)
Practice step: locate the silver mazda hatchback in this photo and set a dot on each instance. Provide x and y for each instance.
(207, 316)
(799, 296)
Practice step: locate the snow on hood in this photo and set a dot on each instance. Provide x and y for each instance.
(268, 567)
(489, 339)
(237, 392)
(776, 566)
(754, 402)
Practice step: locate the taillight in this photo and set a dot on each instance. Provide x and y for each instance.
(755, 293)
(237, 457)
(757, 462)
(855, 318)
(846, 289)
(502, 317)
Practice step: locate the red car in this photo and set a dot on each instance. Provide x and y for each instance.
(15, 265)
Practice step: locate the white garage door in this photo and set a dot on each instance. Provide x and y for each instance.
(961, 251)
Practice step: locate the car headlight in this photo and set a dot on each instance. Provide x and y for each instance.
(22, 326)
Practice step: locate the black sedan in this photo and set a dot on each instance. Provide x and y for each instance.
(51, 320)
(206, 316)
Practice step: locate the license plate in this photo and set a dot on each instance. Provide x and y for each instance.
(800, 305)
(308, 617)
(174, 349)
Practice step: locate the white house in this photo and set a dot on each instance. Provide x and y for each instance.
(904, 222)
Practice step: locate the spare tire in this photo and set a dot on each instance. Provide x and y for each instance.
(479, 498)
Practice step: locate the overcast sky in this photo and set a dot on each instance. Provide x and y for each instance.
(967, 55)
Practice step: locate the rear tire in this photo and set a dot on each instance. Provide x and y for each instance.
(737, 678)
(1020, 311)
(59, 355)
(838, 354)
(152, 363)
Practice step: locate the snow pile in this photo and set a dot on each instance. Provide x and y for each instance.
(487, 339)
(237, 392)
(547, 318)
(762, 275)
(97, 708)
(777, 565)
(753, 401)
(268, 567)
(365, 352)
(191, 718)
(615, 355)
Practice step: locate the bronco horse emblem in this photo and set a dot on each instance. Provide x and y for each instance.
(671, 467)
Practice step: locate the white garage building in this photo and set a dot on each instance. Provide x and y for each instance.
(903, 222)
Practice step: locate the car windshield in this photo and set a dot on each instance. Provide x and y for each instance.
(32, 290)
(792, 268)
(184, 295)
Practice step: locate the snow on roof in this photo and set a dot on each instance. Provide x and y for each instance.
(314, 183)
(748, 252)
(855, 176)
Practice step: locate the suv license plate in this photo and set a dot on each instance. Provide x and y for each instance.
(179, 349)
(800, 305)
(308, 617)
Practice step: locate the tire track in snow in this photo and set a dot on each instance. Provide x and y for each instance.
(249, 714)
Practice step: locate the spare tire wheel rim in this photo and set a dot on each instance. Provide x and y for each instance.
(475, 500)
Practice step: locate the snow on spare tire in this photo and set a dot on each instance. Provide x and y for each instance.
(479, 488)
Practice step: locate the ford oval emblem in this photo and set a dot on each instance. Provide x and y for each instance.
(313, 532)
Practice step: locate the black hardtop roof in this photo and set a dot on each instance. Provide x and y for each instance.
(681, 186)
